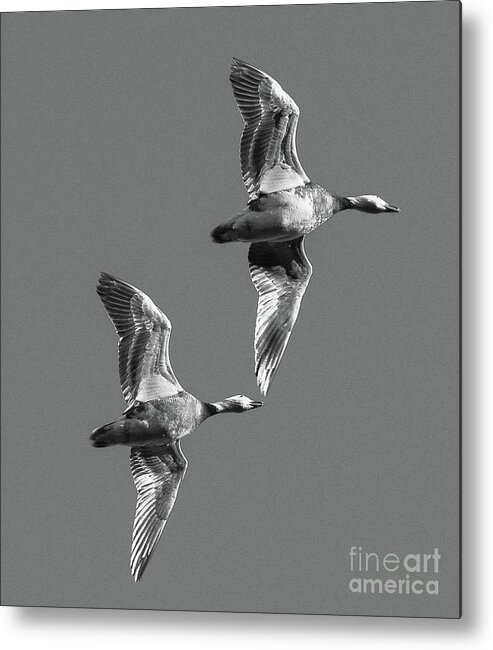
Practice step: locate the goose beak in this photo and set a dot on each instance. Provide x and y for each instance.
(255, 405)
(392, 208)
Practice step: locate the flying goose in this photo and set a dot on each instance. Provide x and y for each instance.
(159, 413)
(283, 206)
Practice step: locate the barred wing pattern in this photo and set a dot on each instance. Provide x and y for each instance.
(280, 272)
(143, 348)
(269, 161)
(157, 472)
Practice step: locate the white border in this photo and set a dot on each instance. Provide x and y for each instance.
(51, 5)
(76, 629)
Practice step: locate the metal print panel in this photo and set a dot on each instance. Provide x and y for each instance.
(328, 294)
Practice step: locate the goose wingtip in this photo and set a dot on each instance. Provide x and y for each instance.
(263, 384)
(137, 570)
(106, 278)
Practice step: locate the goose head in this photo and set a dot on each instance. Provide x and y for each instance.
(370, 203)
(236, 404)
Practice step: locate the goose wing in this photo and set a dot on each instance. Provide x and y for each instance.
(269, 161)
(280, 272)
(157, 473)
(143, 348)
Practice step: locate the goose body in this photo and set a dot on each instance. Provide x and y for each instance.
(283, 207)
(160, 421)
(159, 413)
(280, 216)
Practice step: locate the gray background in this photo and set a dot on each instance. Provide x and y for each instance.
(120, 153)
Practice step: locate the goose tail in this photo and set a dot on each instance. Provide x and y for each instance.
(223, 233)
(107, 435)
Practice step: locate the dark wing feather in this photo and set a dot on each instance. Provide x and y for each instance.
(280, 272)
(143, 349)
(157, 472)
(269, 161)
